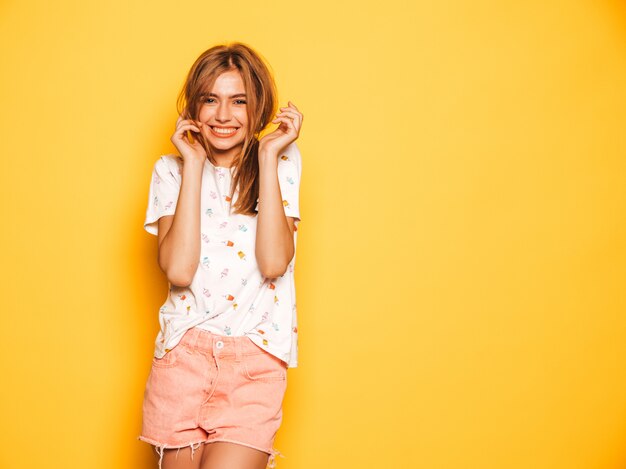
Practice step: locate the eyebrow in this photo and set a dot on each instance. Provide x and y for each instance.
(230, 97)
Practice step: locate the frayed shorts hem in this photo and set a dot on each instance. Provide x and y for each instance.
(196, 444)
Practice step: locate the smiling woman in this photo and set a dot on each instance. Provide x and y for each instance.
(226, 211)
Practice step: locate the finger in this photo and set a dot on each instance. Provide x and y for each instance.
(288, 121)
(290, 112)
(292, 105)
(295, 116)
(188, 127)
(292, 109)
(184, 128)
(186, 121)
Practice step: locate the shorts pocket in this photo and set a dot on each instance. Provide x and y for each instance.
(171, 358)
(264, 367)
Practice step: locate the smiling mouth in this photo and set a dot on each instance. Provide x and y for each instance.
(223, 131)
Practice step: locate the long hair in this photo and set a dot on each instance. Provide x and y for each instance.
(262, 105)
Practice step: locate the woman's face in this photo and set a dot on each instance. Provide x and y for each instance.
(224, 113)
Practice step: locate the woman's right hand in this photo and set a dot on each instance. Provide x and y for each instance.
(189, 151)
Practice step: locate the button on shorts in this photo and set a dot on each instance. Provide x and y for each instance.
(211, 387)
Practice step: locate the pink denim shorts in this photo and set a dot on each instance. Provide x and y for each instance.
(212, 387)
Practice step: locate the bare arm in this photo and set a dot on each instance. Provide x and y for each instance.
(274, 234)
(179, 234)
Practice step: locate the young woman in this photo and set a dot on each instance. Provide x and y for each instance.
(226, 212)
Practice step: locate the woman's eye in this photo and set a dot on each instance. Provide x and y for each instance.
(238, 101)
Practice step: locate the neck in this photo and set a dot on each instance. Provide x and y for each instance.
(225, 158)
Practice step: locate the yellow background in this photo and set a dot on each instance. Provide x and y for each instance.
(461, 258)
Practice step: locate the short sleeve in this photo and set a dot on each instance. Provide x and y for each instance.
(289, 174)
(164, 189)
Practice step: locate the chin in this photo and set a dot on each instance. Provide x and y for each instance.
(224, 144)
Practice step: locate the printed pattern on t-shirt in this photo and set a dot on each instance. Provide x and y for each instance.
(228, 295)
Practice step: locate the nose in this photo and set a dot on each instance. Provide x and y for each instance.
(223, 113)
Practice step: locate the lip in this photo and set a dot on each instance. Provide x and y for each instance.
(222, 127)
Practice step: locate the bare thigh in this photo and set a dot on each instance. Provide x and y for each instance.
(224, 455)
(175, 458)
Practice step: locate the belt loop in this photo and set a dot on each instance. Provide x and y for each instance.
(195, 339)
(238, 349)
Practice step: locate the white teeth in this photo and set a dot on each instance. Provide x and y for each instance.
(223, 131)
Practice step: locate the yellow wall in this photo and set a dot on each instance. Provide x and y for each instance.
(461, 257)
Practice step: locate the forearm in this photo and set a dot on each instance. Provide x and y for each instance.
(179, 251)
(274, 239)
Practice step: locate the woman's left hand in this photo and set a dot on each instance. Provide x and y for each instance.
(288, 130)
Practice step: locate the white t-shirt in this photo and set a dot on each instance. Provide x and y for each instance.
(228, 295)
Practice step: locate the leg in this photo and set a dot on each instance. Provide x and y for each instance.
(180, 458)
(225, 455)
